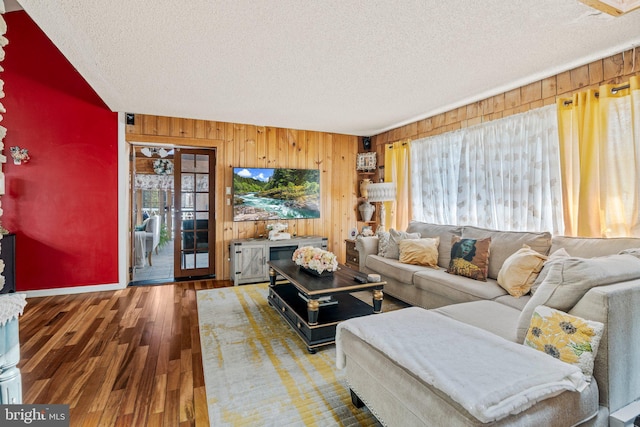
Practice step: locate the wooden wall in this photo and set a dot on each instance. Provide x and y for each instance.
(335, 154)
(613, 69)
(240, 145)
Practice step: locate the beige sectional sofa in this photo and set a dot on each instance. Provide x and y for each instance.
(593, 282)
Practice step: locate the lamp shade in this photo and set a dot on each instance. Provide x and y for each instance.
(381, 192)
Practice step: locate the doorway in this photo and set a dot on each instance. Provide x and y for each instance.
(152, 196)
(172, 224)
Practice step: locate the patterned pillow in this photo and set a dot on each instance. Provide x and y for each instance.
(393, 251)
(383, 243)
(565, 337)
(470, 257)
(419, 251)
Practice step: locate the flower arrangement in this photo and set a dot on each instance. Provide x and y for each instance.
(163, 167)
(315, 259)
(19, 155)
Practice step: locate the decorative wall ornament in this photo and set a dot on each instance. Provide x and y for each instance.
(163, 167)
(366, 161)
(3, 130)
(19, 155)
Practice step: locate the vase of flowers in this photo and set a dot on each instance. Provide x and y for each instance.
(315, 261)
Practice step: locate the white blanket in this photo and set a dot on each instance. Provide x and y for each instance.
(487, 375)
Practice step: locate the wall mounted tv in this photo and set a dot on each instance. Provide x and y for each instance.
(261, 194)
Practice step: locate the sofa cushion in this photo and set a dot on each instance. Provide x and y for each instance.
(419, 251)
(505, 243)
(445, 232)
(568, 279)
(589, 247)
(520, 270)
(517, 303)
(396, 236)
(456, 288)
(469, 257)
(392, 268)
(568, 338)
(488, 315)
(560, 253)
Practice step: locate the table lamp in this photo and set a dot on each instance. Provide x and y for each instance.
(381, 192)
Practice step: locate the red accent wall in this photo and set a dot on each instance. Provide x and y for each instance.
(63, 204)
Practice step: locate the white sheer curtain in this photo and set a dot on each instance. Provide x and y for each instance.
(620, 160)
(503, 174)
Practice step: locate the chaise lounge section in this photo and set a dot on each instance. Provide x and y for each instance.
(587, 278)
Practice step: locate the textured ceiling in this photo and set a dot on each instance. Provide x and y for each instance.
(355, 67)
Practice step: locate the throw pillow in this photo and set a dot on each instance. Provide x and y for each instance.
(396, 236)
(559, 254)
(568, 338)
(383, 243)
(569, 279)
(143, 226)
(419, 251)
(470, 257)
(519, 271)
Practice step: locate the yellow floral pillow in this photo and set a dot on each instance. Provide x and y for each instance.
(565, 337)
(419, 251)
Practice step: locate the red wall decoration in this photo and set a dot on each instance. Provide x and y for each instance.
(63, 204)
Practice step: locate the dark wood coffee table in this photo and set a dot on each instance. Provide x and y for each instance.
(314, 306)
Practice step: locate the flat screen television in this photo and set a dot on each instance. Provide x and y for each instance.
(261, 194)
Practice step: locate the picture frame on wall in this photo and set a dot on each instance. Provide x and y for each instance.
(366, 162)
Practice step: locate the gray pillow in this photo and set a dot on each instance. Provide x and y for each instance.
(383, 243)
(568, 279)
(559, 254)
(393, 251)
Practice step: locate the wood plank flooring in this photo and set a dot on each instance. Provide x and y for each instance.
(120, 358)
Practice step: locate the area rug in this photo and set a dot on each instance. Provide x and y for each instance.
(258, 372)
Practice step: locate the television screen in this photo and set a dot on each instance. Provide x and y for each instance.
(272, 194)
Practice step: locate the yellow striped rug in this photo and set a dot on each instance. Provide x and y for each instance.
(258, 372)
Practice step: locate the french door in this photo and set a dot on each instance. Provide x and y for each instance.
(194, 243)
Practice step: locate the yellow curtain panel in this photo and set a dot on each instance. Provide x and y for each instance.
(397, 170)
(599, 135)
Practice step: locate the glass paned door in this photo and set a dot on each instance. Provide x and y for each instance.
(194, 249)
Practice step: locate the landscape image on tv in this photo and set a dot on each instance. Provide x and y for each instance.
(270, 194)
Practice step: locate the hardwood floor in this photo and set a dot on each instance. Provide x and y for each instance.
(122, 358)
